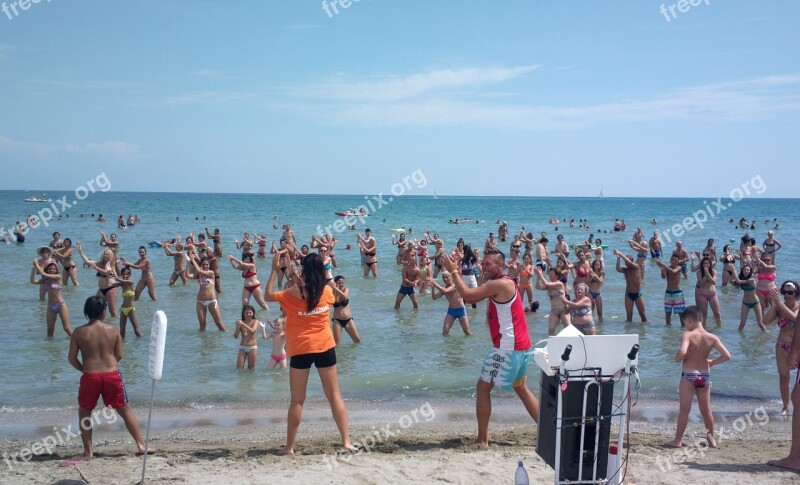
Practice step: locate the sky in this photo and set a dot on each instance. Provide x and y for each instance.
(519, 98)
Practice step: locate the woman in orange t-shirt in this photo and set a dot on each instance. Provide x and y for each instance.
(309, 340)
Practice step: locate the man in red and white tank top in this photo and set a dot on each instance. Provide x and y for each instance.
(506, 363)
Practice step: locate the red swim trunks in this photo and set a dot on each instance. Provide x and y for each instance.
(107, 384)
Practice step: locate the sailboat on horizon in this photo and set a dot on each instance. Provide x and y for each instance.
(434, 194)
(601, 193)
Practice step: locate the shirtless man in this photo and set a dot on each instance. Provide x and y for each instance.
(411, 275)
(633, 286)
(100, 346)
(696, 345)
(683, 258)
(655, 246)
(542, 260)
(369, 249)
(561, 247)
(502, 231)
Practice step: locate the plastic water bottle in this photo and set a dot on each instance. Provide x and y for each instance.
(521, 477)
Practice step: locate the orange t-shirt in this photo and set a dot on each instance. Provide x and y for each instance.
(307, 332)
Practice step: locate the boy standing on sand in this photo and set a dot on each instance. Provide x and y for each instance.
(100, 345)
(696, 345)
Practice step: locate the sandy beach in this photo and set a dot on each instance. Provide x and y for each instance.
(194, 448)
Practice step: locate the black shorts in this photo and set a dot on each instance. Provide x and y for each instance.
(319, 359)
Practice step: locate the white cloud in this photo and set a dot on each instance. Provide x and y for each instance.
(393, 88)
(434, 99)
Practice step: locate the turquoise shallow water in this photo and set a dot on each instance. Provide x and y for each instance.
(403, 354)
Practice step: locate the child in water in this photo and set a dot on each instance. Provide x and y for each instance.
(278, 336)
(248, 346)
(696, 345)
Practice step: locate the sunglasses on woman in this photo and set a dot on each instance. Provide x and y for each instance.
(788, 292)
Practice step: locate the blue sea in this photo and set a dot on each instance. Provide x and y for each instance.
(403, 354)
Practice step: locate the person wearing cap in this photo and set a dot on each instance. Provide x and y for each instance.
(56, 306)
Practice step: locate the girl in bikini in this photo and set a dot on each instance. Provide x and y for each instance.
(127, 310)
(252, 287)
(513, 267)
(56, 306)
(248, 346)
(177, 257)
(278, 336)
(246, 245)
(327, 264)
(342, 317)
(45, 253)
(641, 251)
(705, 292)
(526, 281)
(217, 238)
(284, 255)
(728, 261)
(771, 245)
(262, 244)
(597, 276)
(147, 279)
(424, 272)
(765, 273)
(437, 266)
(113, 244)
(747, 282)
(206, 296)
(581, 269)
(64, 256)
(555, 289)
(400, 242)
(563, 270)
(581, 310)
(786, 313)
(106, 277)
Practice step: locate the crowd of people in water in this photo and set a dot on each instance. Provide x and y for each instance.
(568, 276)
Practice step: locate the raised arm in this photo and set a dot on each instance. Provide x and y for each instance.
(693, 258)
(89, 262)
